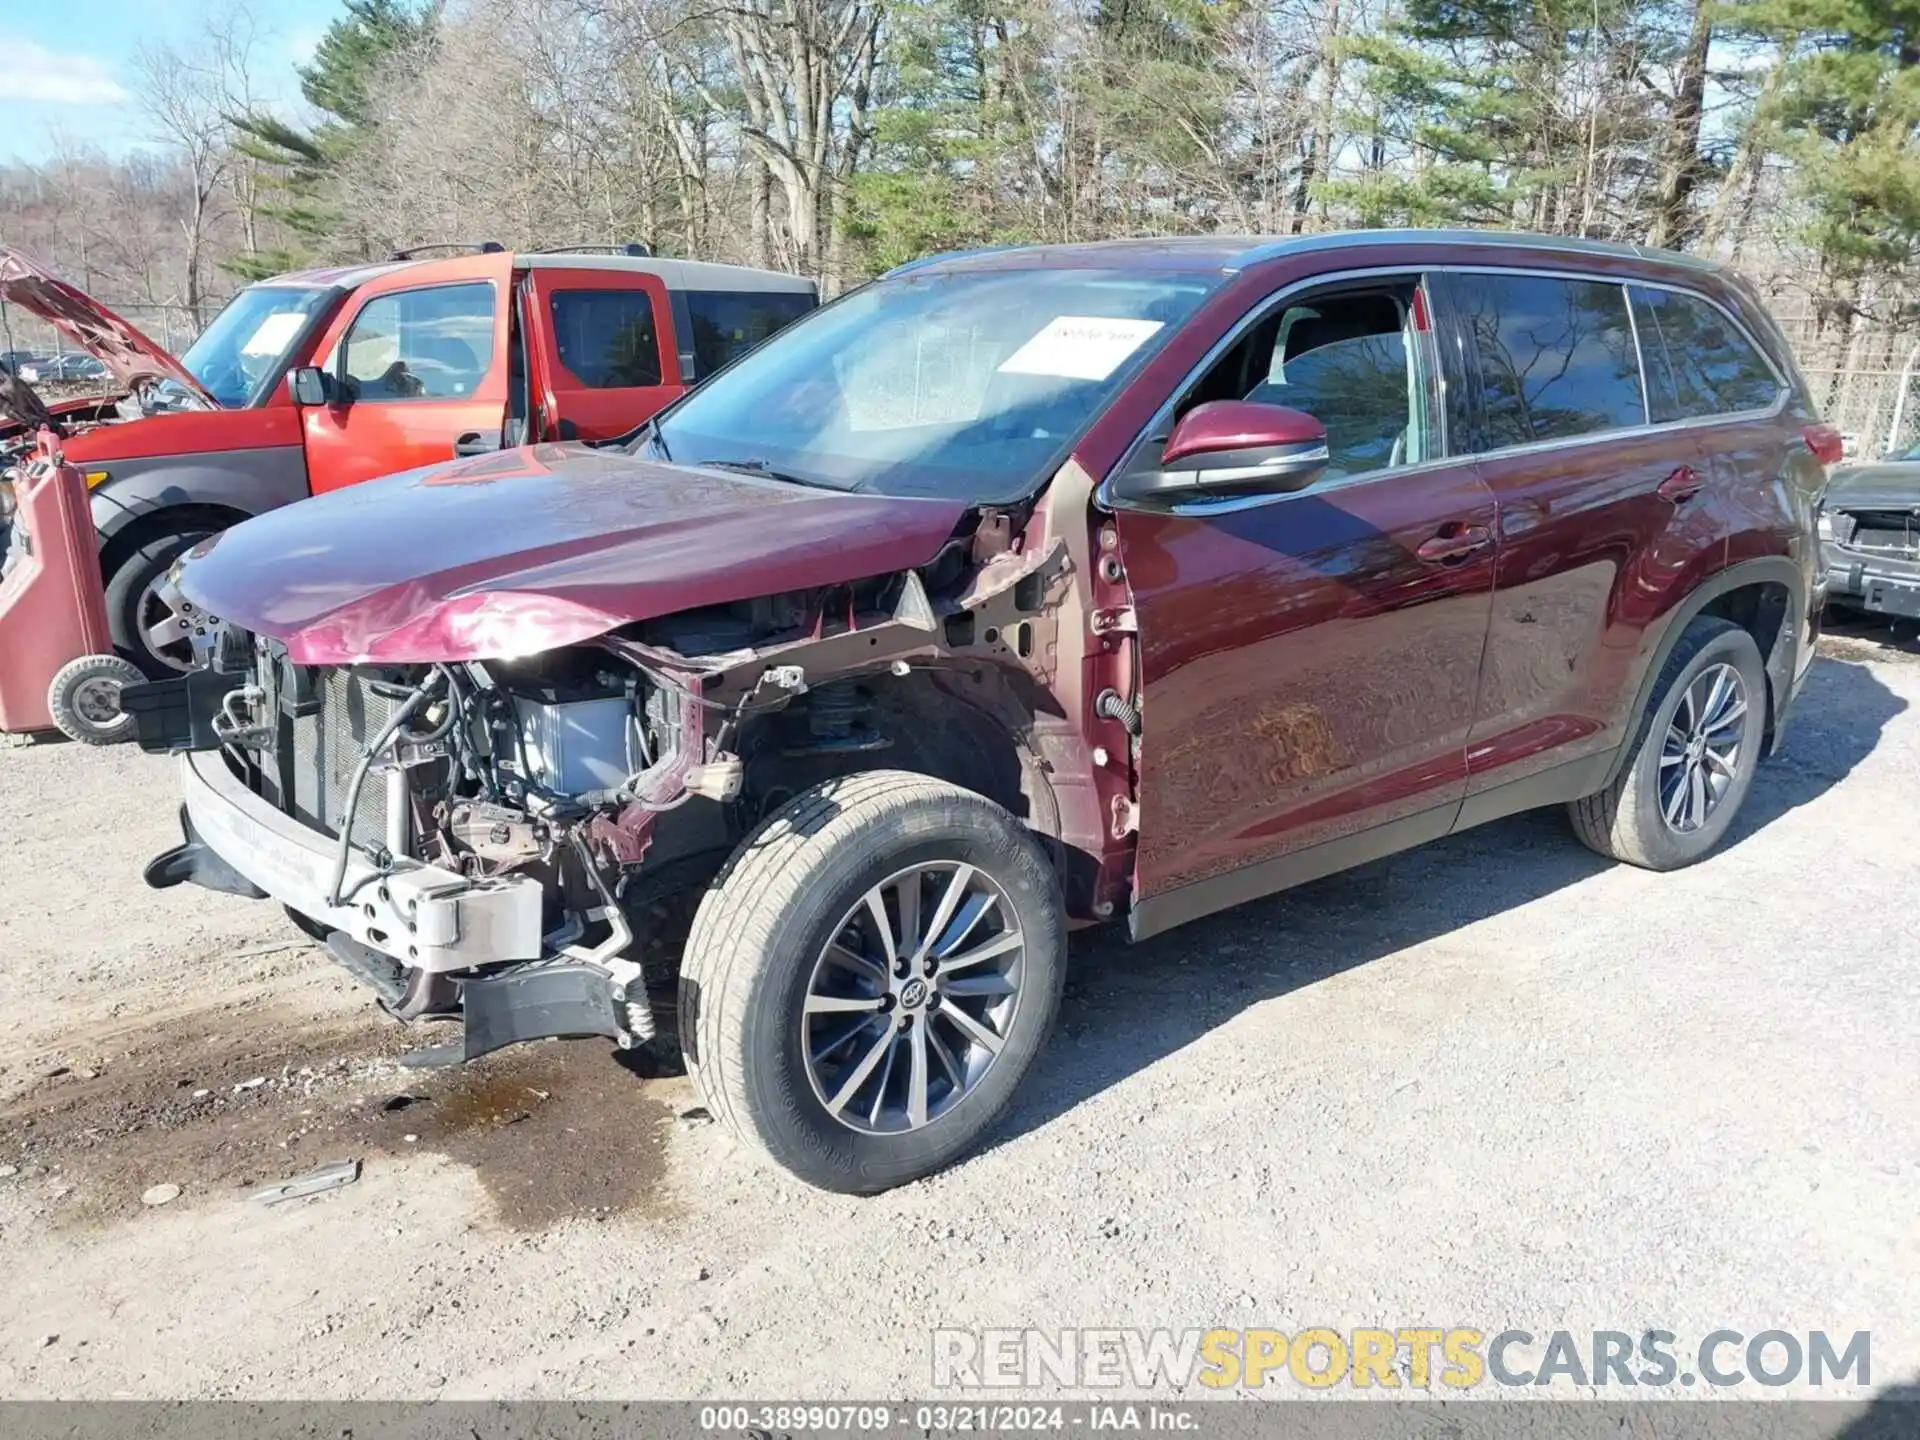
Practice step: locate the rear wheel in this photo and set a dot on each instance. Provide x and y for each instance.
(869, 980)
(147, 628)
(1694, 758)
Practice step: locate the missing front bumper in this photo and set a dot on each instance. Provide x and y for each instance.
(421, 916)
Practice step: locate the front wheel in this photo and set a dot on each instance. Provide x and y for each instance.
(1693, 759)
(146, 626)
(870, 978)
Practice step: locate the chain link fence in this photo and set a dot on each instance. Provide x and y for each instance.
(1865, 379)
(172, 327)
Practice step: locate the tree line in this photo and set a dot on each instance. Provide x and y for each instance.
(839, 137)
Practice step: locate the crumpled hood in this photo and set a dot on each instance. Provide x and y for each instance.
(131, 356)
(1890, 485)
(511, 554)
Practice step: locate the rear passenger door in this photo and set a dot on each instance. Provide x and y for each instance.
(1549, 394)
(601, 353)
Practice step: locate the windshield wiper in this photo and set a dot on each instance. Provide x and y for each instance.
(767, 471)
(649, 434)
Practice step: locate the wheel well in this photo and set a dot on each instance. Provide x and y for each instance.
(965, 727)
(1760, 609)
(157, 523)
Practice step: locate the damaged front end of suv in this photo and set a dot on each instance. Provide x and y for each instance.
(806, 717)
(496, 787)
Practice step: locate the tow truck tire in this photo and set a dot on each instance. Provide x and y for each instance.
(127, 589)
(84, 699)
(758, 991)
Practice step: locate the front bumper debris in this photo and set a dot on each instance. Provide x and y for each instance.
(419, 915)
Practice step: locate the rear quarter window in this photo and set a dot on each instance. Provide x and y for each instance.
(1699, 362)
(726, 324)
(1555, 357)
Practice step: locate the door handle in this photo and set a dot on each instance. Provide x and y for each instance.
(474, 443)
(1454, 542)
(1682, 485)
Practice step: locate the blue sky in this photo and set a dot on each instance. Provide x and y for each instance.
(69, 63)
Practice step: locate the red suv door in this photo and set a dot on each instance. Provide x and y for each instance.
(1310, 660)
(415, 361)
(603, 353)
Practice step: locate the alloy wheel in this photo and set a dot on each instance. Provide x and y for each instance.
(166, 630)
(911, 1001)
(1701, 755)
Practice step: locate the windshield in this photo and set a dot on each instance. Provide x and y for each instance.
(245, 348)
(968, 386)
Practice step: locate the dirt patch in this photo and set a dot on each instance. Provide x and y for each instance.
(1870, 637)
(220, 1102)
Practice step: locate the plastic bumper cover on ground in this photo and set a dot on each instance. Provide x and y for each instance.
(419, 914)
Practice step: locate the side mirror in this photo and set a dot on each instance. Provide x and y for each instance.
(1226, 449)
(309, 385)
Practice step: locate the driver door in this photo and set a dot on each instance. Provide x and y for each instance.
(415, 364)
(1309, 660)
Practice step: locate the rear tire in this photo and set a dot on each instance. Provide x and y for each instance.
(785, 951)
(132, 610)
(1641, 817)
(84, 699)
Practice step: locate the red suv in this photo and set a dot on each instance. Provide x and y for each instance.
(320, 379)
(1018, 590)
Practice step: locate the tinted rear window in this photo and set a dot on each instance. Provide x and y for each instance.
(1698, 361)
(606, 338)
(1556, 357)
(727, 323)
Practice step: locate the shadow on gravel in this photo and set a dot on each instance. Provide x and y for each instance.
(1128, 1006)
(1892, 1414)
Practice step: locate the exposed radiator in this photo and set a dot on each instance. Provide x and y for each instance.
(327, 747)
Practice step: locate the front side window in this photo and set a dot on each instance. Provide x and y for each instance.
(969, 385)
(728, 323)
(606, 338)
(1350, 361)
(1698, 361)
(1555, 356)
(429, 344)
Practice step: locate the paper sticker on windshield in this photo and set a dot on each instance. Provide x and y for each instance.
(274, 334)
(1079, 347)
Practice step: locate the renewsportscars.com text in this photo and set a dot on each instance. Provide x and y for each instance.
(1411, 1357)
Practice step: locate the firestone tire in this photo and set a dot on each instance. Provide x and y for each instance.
(1629, 819)
(84, 699)
(800, 887)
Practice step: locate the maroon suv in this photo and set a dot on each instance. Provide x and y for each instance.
(1018, 590)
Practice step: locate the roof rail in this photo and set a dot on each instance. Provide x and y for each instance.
(466, 247)
(625, 247)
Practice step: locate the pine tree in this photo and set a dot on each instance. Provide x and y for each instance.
(337, 83)
(1847, 114)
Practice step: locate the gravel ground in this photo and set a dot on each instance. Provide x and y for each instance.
(1494, 1083)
